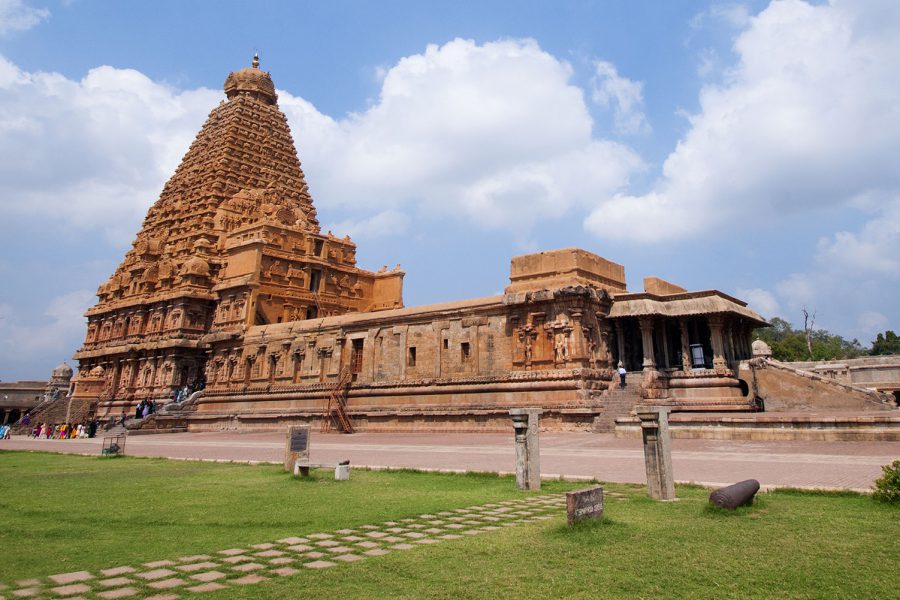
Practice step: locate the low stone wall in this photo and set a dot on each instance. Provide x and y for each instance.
(774, 427)
(783, 387)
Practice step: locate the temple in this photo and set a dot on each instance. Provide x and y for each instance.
(232, 293)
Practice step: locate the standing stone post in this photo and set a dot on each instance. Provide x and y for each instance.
(296, 449)
(526, 423)
(657, 451)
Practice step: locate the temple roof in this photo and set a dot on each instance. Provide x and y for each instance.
(681, 305)
(252, 81)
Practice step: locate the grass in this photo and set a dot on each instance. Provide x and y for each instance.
(64, 513)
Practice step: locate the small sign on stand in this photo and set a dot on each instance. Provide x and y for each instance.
(582, 505)
(296, 447)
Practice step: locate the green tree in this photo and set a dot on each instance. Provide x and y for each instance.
(886, 343)
(789, 344)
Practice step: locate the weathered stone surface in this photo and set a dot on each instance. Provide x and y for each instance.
(155, 574)
(70, 590)
(319, 564)
(119, 593)
(248, 567)
(582, 505)
(212, 586)
(72, 577)
(657, 452)
(248, 579)
(197, 566)
(118, 571)
(209, 576)
(114, 582)
(165, 584)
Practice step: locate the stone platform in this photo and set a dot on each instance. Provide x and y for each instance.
(776, 426)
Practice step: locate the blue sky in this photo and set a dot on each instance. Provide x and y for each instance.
(749, 147)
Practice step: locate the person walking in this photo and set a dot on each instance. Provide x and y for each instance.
(622, 373)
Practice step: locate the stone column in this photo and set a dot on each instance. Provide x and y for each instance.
(716, 323)
(685, 345)
(665, 344)
(620, 342)
(526, 423)
(646, 324)
(603, 356)
(657, 452)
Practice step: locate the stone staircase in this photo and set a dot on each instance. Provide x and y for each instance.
(54, 412)
(618, 402)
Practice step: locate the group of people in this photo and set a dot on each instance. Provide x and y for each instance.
(144, 408)
(64, 431)
(183, 393)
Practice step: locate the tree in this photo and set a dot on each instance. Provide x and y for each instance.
(792, 345)
(886, 343)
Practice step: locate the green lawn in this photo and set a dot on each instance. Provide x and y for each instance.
(66, 513)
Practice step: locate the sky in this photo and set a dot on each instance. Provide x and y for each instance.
(747, 147)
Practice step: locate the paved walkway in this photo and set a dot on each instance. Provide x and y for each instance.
(165, 579)
(830, 465)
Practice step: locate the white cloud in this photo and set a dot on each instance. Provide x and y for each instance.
(492, 133)
(855, 275)
(872, 323)
(807, 119)
(92, 153)
(624, 95)
(735, 16)
(495, 134)
(15, 16)
(762, 301)
(385, 223)
(59, 332)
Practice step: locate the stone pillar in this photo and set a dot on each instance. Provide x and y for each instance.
(646, 324)
(620, 342)
(578, 347)
(716, 324)
(665, 344)
(657, 452)
(526, 423)
(603, 356)
(685, 345)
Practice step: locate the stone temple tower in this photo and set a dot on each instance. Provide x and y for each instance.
(233, 241)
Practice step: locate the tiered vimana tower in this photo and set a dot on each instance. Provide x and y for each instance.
(232, 242)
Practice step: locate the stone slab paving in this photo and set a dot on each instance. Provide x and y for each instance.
(168, 579)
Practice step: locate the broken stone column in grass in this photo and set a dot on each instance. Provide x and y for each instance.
(657, 451)
(526, 423)
(296, 449)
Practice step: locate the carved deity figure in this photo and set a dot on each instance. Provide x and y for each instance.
(561, 347)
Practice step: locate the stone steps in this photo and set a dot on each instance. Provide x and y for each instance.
(618, 402)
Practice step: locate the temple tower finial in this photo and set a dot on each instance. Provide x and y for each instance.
(255, 62)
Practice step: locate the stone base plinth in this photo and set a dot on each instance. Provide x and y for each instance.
(774, 427)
